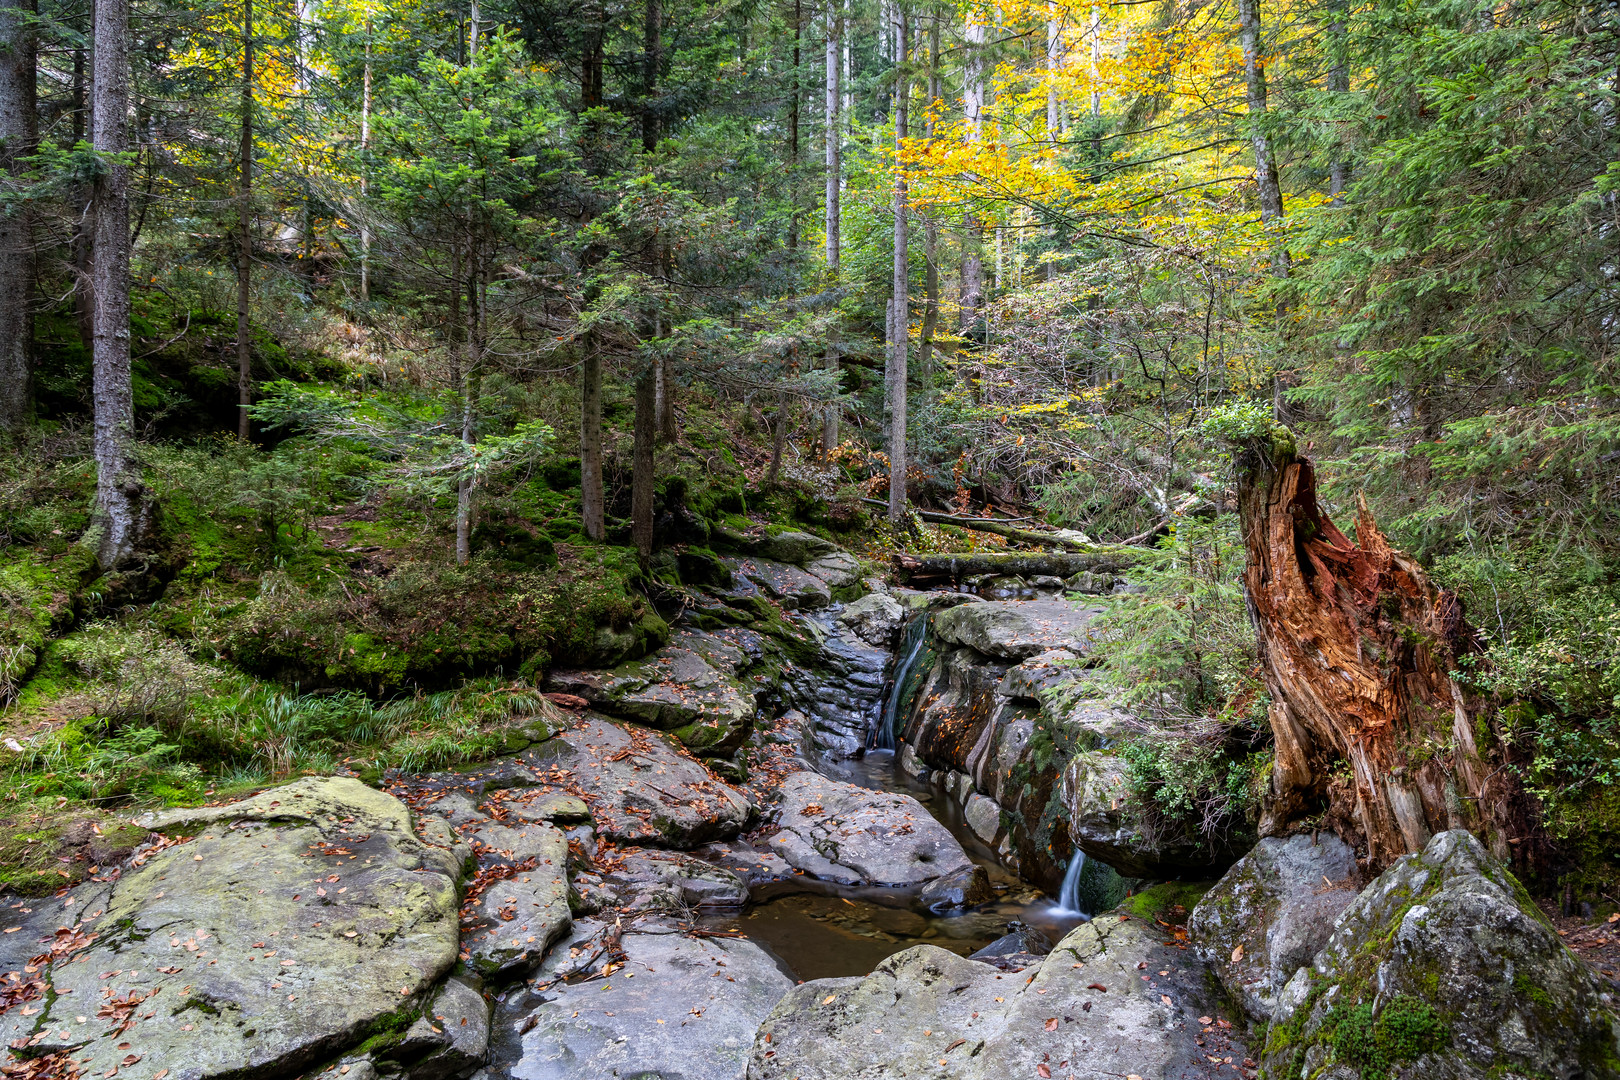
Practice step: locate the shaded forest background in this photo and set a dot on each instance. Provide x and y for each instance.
(460, 336)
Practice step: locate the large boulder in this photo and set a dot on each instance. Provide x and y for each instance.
(841, 832)
(875, 619)
(1271, 913)
(258, 938)
(640, 787)
(1017, 630)
(1102, 823)
(680, 1008)
(1086, 1010)
(692, 687)
(791, 587)
(517, 918)
(1443, 969)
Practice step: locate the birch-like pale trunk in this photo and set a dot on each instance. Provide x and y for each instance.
(973, 99)
(119, 493)
(894, 368)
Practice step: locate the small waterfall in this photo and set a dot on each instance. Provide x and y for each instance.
(916, 637)
(1069, 895)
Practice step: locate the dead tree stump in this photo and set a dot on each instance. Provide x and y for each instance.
(1375, 739)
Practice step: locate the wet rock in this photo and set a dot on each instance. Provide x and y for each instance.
(925, 1005)
(875, 619)
(753, 865)
(798, 548)
(841, 694)
(640, 787)
(517, 918)
(691, 687)
(1016, 630)
(1096, 789)
(451, 1038)
(841, 832)
(671, 880)
(1271, 913)
(983, 817)
(793, 588)
(957, 891)
(840, 570)
(1021, 947)
(287, 927)
(1041, 673)
(1443, 968)
(689, 1013)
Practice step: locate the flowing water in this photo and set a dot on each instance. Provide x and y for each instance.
(916, 637)
(821, 930)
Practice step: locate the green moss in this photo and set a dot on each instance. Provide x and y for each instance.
(1404, 1030)
(1158, 901)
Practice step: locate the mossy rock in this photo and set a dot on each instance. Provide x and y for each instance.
(1443, 967)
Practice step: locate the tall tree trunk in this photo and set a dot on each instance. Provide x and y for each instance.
(643, 476)
(930, 317)
(1357, 647)
(1096, 84)
(471, 384)
(794, 93)
(779, 427)
(973, 98)
(1265, 163)
(593, 511)
(119, 494)
(84, 302)
(894, 371)
(18, 48)
(244, 234)
(651, 60)
(834, 135)
(365, 174)
(1054, 56)
(1338, 82)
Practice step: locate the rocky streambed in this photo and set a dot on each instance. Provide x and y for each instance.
(696, 871)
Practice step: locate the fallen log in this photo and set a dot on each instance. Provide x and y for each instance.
(998, 527)
(954, 568)
(1357, 649)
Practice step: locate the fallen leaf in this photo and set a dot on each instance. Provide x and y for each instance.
(1051, 1023)
(1166, 999)
(1099, 987)
(1237, 954)
(1043, 1072)
(1206, 1020)
(954, 1045)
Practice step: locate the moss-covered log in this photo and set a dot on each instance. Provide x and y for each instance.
(1358, 647)
(953, 568)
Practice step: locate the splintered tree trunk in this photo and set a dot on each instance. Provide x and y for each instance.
(18, 38)
(119, 493)
(1357, 646)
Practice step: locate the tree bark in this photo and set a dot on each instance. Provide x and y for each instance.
(1338, 82)
(365, 174)
(930, 316)
(18, 48)
(471, 384)
(119, 494)
(973, 98)
(642, 473)
(593, 512)
(1265, 163)
(1357, 646)
(652, 59)
(894, 372)
(793, 127)
(244, 234)
(834, 133)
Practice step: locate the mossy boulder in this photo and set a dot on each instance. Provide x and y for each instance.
(1443, 968)
(1271, 913)
(267, 935)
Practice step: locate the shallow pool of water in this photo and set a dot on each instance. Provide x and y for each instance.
(820, 930)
